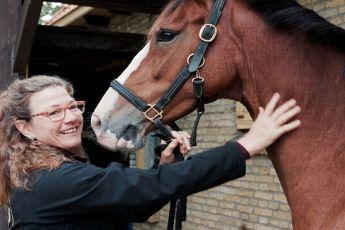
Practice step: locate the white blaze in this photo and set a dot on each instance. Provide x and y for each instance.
(110, 97)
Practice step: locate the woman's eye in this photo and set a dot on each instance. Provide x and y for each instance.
(54, 112)
(166, 36)
(73, 107)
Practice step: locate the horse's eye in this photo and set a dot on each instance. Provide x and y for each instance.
(166, 36)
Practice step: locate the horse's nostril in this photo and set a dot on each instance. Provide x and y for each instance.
(130, 132)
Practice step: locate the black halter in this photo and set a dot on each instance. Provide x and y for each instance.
(154, 112)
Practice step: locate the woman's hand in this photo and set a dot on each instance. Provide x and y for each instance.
(270, 124)
(182, 139)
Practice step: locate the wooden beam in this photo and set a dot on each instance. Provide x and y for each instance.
(142, 6)
(73, 48)
(80, 39)
(28, 20)
(71, 16)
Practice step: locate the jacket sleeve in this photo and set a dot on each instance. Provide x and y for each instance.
(128, 192)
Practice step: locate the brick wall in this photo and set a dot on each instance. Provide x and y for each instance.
(332, 10)
(255, 201)
(133, 23)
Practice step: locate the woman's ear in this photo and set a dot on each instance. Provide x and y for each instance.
(24, 128)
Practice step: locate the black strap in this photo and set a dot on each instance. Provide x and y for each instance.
(208, 31)
(174, 88)
(171, 217)
(174, 126)
(216, 12)
(130, 96)
(178, 208)
(198, 91)
(181, 210)
(163, 129)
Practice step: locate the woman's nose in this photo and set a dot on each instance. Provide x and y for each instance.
(69, 116)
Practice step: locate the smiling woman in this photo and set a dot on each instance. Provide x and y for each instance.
(16, 106)
(47, 183)
(55, 103)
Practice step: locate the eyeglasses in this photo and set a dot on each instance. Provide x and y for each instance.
(58, 113)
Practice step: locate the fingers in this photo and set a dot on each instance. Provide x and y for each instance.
(183, 139)
(287, 115)
(283, 114)
(271, 105)
(171, 146)
(289, 126)
(284, 107)
(261, 112)
(177, 136)
(168, 151)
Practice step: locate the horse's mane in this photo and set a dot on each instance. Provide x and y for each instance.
(288, 15)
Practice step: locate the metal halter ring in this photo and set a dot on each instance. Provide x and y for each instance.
(203, 29)
(202, 63)
(198, 77)
(159, 113)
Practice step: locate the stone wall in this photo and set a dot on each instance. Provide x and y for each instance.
(255, 201)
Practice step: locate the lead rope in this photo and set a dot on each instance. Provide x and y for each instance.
(178, 207)
(181, 204)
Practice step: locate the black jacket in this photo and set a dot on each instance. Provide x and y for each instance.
(82, 196)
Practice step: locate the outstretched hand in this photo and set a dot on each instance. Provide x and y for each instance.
(182, 139)
(270, 124)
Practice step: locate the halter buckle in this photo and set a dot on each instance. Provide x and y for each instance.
(152, 117)
(208, 30)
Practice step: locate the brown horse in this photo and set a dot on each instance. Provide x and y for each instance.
(262, 47)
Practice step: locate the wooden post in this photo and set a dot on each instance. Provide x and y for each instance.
(28, 16)
(8, 26)
(10, 12)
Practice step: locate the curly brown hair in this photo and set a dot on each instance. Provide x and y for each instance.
(19, 156)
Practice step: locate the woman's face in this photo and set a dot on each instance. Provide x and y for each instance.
(66, 133)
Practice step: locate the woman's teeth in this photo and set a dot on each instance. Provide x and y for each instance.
(68, 131)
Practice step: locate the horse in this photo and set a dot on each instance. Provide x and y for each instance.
(262, 47)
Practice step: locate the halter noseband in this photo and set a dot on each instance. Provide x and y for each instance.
(154, 112)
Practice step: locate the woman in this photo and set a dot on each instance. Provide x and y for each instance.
(47, 185)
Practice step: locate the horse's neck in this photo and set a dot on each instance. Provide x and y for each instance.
(305, 159)
(310, 161)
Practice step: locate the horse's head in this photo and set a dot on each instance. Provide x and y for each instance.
(173, 37)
